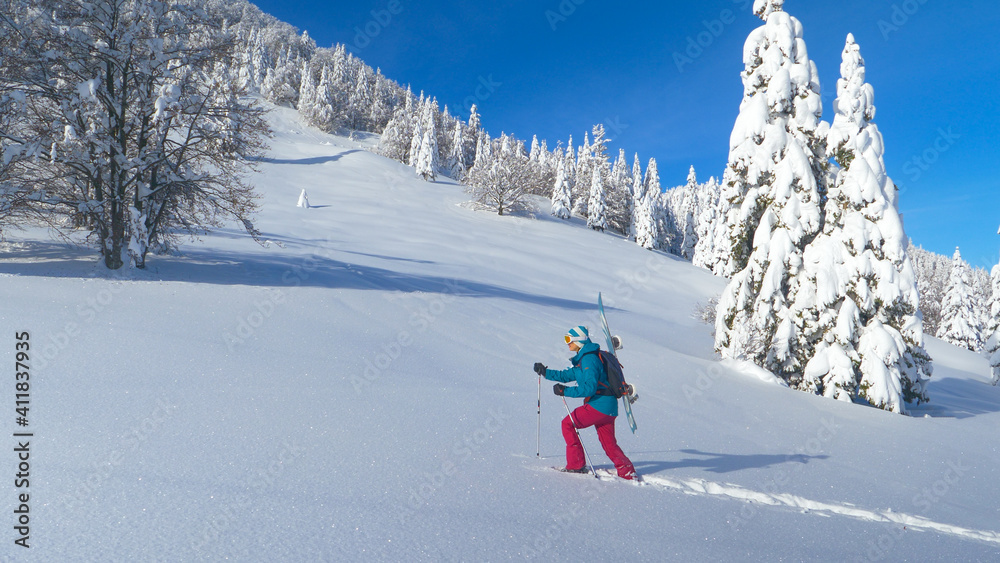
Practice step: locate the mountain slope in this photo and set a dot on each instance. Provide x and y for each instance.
(362, 389)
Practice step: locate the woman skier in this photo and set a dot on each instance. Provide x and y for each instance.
(600, 407)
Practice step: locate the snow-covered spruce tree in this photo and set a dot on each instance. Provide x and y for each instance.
(686, 216)
(596, 218)
(581, 183)
(416, 139)
(781, 98)
(773, 198)
(322, 115)
(308, 104)
(560, 193)
(426, 161)
(984, 291)
(932, 271)
(961, 322)
(619, 199)
(596, 209)
(426, 166)
(858, 299)
(647, 234)
(666, 221)
(141, 134)
(569, 163)
(993, 308)
(704, 249)
(456, 158)
(395, 140)
(638, 192)
(385, 101)
(361, 98)
(473, 132)
(993, 351)
(992, 346)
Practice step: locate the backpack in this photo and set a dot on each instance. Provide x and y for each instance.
(616, 385)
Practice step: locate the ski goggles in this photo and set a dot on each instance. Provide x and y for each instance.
(568, 338)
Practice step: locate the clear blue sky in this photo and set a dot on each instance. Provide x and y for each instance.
(557, 67)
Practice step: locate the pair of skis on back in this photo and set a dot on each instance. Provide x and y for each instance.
(614, 344)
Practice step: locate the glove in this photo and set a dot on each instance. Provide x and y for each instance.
(540, 368)
(559, 389)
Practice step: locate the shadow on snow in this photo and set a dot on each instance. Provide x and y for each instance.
(724, 463)
(271, 269)
(312, 160)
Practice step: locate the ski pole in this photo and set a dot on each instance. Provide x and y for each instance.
(579, 439)
(538, 427)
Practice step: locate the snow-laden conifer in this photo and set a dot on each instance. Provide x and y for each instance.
(416, 140)
(992, 346)
(535, 153)
(596, 206)
(859, 300)
(993, 308)
(560, 193)
(638, 192)
(686, 216)
(772, 195)
(584, 176)
(307, 95)
(569, 163)
(456, 158)
(704, 250)
(426, 167)
(647, 234)
(619, 195)
(961, 322)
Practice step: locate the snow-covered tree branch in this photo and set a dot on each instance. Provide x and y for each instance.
(143, 133)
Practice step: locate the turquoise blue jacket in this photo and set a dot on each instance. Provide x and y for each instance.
(587, 372)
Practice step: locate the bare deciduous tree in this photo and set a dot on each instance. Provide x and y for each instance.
(500, 183)
(137, 132)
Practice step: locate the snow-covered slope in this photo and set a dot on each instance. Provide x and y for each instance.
(361, 389)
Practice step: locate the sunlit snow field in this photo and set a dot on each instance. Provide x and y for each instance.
(361, 389)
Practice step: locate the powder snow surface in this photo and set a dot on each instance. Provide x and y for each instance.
(361, 390)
